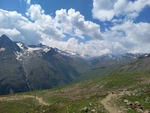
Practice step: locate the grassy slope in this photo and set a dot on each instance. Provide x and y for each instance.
(136, 66)
(74, 97)
(96, 72)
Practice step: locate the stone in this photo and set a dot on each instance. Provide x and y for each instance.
(137, 103)
(139, 110)
(90, 104)
(147, 111)
(129, 103)
(93, 110)
(126, 101)
(85, 109)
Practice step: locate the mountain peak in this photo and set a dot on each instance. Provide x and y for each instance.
(8, 44)
(4, 35)
(4, 38)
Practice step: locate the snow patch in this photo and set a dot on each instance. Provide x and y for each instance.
(146, 55)
(33, 49)
(20, 45)
(46, 50)
(19, 55)
(30, 52)
(2, 49)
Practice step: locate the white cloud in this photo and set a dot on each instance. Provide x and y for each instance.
(19, 27)
(35, 12)
(106, 10)
(44, 27)
(137, 33)
(65, 22)
(92, 47)
(135, 37)
(73, 22)
(10, 19)
(9, 32)
(28, 2)
(102, 9)
(70, 24)
(46, 22)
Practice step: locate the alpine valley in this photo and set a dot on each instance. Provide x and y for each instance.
(89, 80)
(33, 67)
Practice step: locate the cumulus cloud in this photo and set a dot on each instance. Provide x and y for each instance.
(127, 37)
(106, 10)
(70, 25)
(46, 22)
(72, 21)
(28, 2)
(135, 37)
(137, 33)
(92, 47)
(66, 24)
(18, 27)
(35, 12)
(9, 32)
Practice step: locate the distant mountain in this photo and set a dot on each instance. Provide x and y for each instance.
(33, 67)
(10, 46)
(25, 68)
(12, 76)
(142, 63)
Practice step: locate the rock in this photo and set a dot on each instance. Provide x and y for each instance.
(129, 103)
(133, 94)
(147, 91)
(93, 110)
(137, 103)
(126, 101)
(90, 104)
(136, 106)
(128, 93)
(139, 110)
(147, 111)
(85, 109)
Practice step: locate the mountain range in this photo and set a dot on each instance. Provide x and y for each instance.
(34, 67)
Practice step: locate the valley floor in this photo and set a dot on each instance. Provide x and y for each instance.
(119, 93)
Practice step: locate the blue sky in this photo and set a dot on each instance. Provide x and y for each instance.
(92, 27)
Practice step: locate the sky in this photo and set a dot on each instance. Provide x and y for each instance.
(92, 27)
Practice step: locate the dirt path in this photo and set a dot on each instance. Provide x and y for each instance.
(41, 101)
(108, 106)
(106, 102)
(21, 97)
